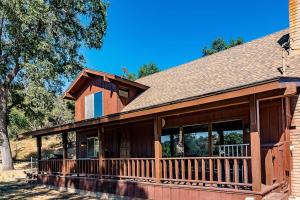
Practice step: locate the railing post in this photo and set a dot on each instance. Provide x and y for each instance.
(39, 151)
(255, 145)
(65, 152)
(100, 136)
(157, 148)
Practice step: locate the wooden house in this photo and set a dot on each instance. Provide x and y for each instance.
(225, 126)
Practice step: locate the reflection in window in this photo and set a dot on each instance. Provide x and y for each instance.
(196, 140)
(92, 147)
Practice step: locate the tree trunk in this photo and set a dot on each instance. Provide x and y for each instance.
(7, 163)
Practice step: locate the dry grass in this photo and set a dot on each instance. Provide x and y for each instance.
(24, 149)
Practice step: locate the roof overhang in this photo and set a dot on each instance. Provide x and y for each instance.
(287, 85)
(87, 75)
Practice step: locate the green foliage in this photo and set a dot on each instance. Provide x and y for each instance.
(220, 44)
(147, 69)
(233, 138)
(144, 70)
(39, 50)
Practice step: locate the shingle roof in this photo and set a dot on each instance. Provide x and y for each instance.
(245, 64)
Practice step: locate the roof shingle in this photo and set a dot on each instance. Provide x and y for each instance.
(245, 64)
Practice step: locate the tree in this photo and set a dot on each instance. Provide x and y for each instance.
(147, 69)
(144, 70)
(219, 44)
(39, 46)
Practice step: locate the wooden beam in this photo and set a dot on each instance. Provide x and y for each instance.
(65, 151)
(157, 148)
(100, 138)
(255, 146)
(39, 150)
(210, 150)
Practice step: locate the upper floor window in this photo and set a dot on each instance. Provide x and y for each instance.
(93, 105)
(124, 92)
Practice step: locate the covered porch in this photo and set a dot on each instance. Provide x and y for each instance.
(214, 147)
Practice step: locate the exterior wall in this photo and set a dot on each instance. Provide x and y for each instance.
(295, 142)
(144, 190)
(294, 11)
(140, 135)
(112, 102)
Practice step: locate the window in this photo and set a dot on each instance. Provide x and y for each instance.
(196, 140)
(124, 93)
(92, 147)
(93, 105)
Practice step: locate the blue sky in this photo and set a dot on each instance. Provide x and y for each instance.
(172, 32)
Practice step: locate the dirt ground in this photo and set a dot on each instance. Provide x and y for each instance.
(13, 186)
(20, 190)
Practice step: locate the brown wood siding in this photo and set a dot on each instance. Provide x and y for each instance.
(144, 190)
(112, 102)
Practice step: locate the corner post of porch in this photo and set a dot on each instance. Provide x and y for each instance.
(255, 145)
(39, 151)
(100, 136)
(65, 151)
(157, 148)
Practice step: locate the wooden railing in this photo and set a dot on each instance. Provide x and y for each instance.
(82, 167)
(233, 150)
(51, 166)
(226, 172)
(129, 168)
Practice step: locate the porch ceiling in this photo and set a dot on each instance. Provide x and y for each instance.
(286, 85)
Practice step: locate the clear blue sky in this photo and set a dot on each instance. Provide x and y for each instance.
(172, 32)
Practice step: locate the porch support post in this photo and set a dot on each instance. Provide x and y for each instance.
(65, 151)
(39, 151)
(100, 136)
(157, 148)
(255, 146)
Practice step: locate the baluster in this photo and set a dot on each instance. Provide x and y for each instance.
(203, 169)
(165, 169)
(219, 170)
(138, 169)
(245, 166)
(170, 169)
(133, 167)
(211, 178)
(152, 169)
(129, 168)
(227, 170)
(236, 176)
(148, 169)
(176, 169)
(125, 167)
(189, 169)
(143, 168)
(196, 169)
(182, 169)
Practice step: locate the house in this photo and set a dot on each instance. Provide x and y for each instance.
(223, 126)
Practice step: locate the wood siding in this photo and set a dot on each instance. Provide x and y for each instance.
(112, 102)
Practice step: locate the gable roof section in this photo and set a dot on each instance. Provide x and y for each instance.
(88, 74)
(257, 61)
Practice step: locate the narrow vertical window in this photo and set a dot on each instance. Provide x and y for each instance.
(93, 105)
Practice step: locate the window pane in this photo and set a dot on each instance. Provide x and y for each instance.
(166, 145)
(92, 147)
(196, 140)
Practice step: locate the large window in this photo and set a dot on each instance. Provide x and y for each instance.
(93, 105)
(193, 141)
(92, 147)
(196, 140)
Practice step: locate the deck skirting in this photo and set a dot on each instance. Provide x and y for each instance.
(112, 189)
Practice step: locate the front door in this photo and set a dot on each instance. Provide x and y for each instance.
(272, 140)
